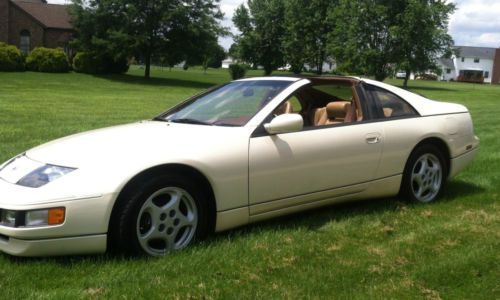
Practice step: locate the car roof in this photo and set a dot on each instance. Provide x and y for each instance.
(313, 79)
(423, 105)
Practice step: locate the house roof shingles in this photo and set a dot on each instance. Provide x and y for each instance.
(49, 15)
(447, 62)
(479, 52)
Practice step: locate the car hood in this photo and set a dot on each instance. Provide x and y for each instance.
(146, 140)
(106, 159)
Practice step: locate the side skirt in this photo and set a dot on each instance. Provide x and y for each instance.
(385, 187)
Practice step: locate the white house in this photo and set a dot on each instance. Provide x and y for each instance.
(472, 64)
(226, 62)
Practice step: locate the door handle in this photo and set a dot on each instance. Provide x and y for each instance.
(372, 138)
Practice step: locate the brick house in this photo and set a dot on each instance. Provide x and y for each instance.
(34, 23)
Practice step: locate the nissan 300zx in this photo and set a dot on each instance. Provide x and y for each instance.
(242, 152)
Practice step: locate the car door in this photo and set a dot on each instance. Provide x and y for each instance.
(312, 164)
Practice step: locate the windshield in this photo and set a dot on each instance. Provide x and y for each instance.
(233, 104)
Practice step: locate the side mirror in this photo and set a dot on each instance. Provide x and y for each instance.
(285, 123)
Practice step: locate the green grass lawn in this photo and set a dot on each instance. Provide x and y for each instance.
(378, 249)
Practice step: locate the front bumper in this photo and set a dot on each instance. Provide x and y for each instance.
(53, 247)
(83, 231)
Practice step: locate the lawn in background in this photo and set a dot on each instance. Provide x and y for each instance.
(383, 248)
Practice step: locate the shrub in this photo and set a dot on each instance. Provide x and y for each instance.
(426, 76)
(237, 71)
(11, 58)
(93, 63)
(85, 62)
(47, 60)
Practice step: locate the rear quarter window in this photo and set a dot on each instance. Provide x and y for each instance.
(389, 105)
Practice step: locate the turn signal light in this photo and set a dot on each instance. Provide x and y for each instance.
(56, 216)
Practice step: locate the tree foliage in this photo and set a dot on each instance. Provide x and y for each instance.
(121, 28)
(422, 35)
(262, 29)
(307, 29)
(373, 36)
(370, 37)
(361, 41)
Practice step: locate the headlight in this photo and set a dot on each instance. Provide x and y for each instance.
(33, 218)
(8, 217)
(44, 175)
(52, 216)
(26, 172)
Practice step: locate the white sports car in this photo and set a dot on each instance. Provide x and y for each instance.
(242, 152)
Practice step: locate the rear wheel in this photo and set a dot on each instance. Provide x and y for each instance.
(424, 175)
(164, 214)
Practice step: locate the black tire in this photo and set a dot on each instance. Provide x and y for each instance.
(420, 182)
(129, 217)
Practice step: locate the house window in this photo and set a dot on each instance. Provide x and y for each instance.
(448, 71)
(486, 74)
(476, 60)
(24, 41)
(463, 59)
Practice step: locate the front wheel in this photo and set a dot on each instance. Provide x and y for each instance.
(164, 214)
(424, 175)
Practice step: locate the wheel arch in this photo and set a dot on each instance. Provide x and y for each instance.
(183, 169)
(441, 145)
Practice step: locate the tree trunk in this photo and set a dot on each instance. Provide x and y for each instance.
(148, 53)
(380, 76)
(147, 70)
(407, 77)
(268, 70)
(319, 67)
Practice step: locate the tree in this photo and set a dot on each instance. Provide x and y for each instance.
(217, 56)
(361, 41)
(421, 35)
(372, 36)
(307, 30)
(262, 30)
(124, 27)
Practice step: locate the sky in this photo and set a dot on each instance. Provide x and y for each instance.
(474, 23)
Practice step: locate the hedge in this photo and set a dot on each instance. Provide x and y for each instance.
(93, 63)
(47, 60)
(237, 71)
(11, 58)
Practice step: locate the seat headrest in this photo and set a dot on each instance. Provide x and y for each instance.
(337, 109)
(285, 108)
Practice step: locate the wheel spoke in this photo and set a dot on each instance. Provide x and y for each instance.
(423, 166)
(171, 245)
(186, 220)
(419, 191)
(152, 209)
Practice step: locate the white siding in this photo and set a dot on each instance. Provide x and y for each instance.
(485, 65)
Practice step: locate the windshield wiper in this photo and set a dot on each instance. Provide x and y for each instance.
(159, 119)
(190, 121)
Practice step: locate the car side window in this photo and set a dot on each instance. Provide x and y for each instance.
(390, 105)
(296, 106)
(290, 105)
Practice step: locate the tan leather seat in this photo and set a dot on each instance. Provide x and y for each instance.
(334, 113)
(319, 117)
(285, 108)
